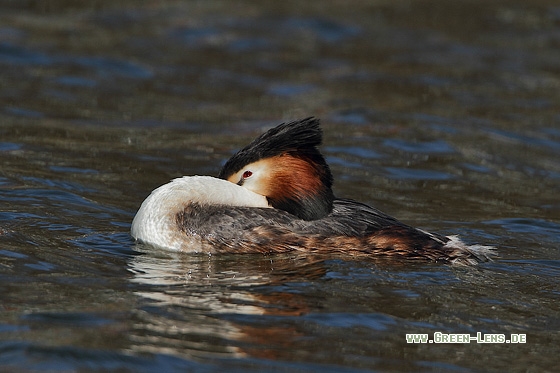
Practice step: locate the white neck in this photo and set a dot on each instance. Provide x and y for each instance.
(155, 221)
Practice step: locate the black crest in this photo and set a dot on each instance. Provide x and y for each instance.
(299, 137)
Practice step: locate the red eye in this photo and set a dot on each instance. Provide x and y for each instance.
(247, 174)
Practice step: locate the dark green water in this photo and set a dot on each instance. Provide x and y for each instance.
(444, 114)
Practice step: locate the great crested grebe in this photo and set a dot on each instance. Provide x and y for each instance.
(275, 196)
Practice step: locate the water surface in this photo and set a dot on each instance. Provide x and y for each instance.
(442, 114)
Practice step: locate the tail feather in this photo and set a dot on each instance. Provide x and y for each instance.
(469, 254)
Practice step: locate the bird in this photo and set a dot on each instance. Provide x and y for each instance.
(275, 196)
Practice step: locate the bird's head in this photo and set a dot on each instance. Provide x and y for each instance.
(285, 165)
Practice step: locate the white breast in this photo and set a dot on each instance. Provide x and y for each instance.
(155, 222)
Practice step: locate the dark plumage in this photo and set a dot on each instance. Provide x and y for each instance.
(343, 226)
(352, 228)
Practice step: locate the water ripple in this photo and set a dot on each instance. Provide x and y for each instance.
(427, 147)
(417, 174)
(16, 55)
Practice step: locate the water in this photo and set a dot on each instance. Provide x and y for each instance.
(443, 114)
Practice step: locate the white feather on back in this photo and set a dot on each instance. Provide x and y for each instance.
(155, 221)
